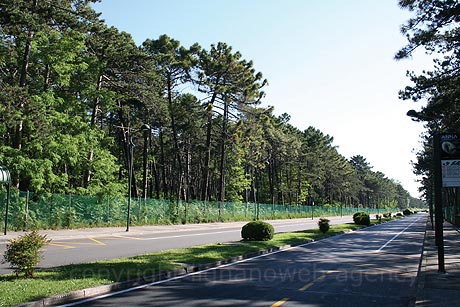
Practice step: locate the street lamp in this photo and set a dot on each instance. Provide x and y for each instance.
(130, 161)
(437, 184)
(5, 177)
(130, 177)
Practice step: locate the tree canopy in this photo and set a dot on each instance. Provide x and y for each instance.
(82, 107)
(434, 28)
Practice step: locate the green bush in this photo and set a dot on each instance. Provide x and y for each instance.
(323, 225)
(387, 215)
(361, 218)
(257, 231)
(24, 253)
(407, 211)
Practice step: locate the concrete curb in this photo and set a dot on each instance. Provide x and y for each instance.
(118, 286)
(77, 295)
(420, 277)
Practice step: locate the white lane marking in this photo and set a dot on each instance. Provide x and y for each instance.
(176, 236)
(238, 230)
(395, 236)
(180, 277)
(95, 298)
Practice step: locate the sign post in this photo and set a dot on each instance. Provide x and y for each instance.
(446, 175)
(438, 214)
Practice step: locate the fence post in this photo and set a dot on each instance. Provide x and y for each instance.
(108, 209)
(185, 211)
(138, 209)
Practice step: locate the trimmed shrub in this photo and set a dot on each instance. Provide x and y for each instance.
(323, 225)
(407, 211)
(257, 231)
(24, 253)
(361, 218)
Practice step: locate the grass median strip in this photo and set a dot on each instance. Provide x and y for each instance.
(48, 282)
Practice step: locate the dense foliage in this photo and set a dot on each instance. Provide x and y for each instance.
(323, 224)
(257, 231)
(24, 253)
(361, 218)
(81, 105)
(434, 28)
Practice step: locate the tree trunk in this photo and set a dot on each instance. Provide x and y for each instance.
(222, 154)
(178, 171)
(163, 166)
(271, 180)
(46, 82)
(188, 158)
(144, 165)
(207, 161)
(299, 187)
(94, 114)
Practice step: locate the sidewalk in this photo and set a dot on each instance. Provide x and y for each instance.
(439, 289)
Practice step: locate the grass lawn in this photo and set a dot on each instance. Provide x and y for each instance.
(15, 290)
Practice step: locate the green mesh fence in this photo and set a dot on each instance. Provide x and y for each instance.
(55, 211)
(452, 214)
(451, 205)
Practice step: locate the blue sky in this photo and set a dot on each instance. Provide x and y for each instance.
(329, 63)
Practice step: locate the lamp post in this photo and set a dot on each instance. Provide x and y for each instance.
(438, 214)
(437, 187)
(130, 177)
(130, 161)
(5, 177)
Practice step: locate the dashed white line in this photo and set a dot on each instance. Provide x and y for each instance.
(395, 236)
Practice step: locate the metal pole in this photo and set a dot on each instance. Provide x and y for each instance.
(439, 220)
(130, 175)
(27, 209)
(7, 204)
(312, 205)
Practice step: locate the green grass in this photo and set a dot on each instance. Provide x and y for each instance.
(15, 290)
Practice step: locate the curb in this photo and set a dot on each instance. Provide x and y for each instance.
(87, 293)
(419, 282)
(118, 286)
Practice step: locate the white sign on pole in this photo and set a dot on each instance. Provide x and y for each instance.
(450, 173)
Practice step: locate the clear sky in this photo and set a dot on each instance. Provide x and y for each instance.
(329, 63)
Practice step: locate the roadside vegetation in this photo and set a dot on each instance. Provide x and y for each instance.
(83, 108)
(48, 282)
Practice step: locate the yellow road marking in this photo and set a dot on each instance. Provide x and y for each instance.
(61, 245)
(280, 302)
(97, 241)
(333, 271)
(306, 286)
(113, 238)
(83, 243)
(321, 277)
(126, 237)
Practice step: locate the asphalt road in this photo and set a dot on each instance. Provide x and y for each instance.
(87, 245)
(376, 266)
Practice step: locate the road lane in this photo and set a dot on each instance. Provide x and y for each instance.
(376, 266)
(92, 246)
